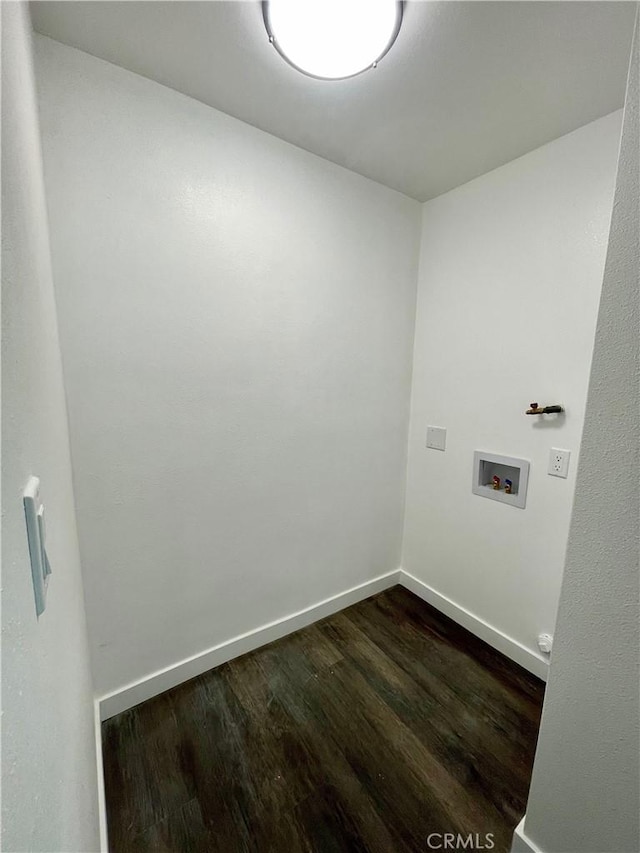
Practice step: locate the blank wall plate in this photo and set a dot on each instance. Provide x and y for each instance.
(559, 462)
(436, 437)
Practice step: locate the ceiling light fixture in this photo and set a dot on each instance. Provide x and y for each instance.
(332, 39)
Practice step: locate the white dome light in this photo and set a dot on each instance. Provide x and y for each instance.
(332, 39)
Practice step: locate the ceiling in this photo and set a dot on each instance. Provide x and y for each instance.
(467, 86)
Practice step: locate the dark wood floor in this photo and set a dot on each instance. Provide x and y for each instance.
(365, 732)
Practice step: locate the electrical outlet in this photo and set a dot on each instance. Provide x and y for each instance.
(559, 462)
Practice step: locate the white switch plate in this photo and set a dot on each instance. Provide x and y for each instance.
(436, 437)
(559, 462)
(36, 535)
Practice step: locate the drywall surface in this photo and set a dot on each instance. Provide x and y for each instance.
(49, 800)
(586, 779)
(510, 277)
(236, 318)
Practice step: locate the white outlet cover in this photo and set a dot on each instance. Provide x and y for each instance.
(436, 438)
(559, 462)
(545, 643)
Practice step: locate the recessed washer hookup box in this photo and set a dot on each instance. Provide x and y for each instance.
(500, 478)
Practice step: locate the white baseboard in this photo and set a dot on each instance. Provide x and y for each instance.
(139, 691)
(164, 679)
(532, 661)
(521, 842)
(102, 802)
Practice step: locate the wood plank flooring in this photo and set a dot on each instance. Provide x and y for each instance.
(367, 731)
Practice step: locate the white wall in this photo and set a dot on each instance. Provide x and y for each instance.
(586, 779)
(48, 748)
(236, 319)
(510, 277)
